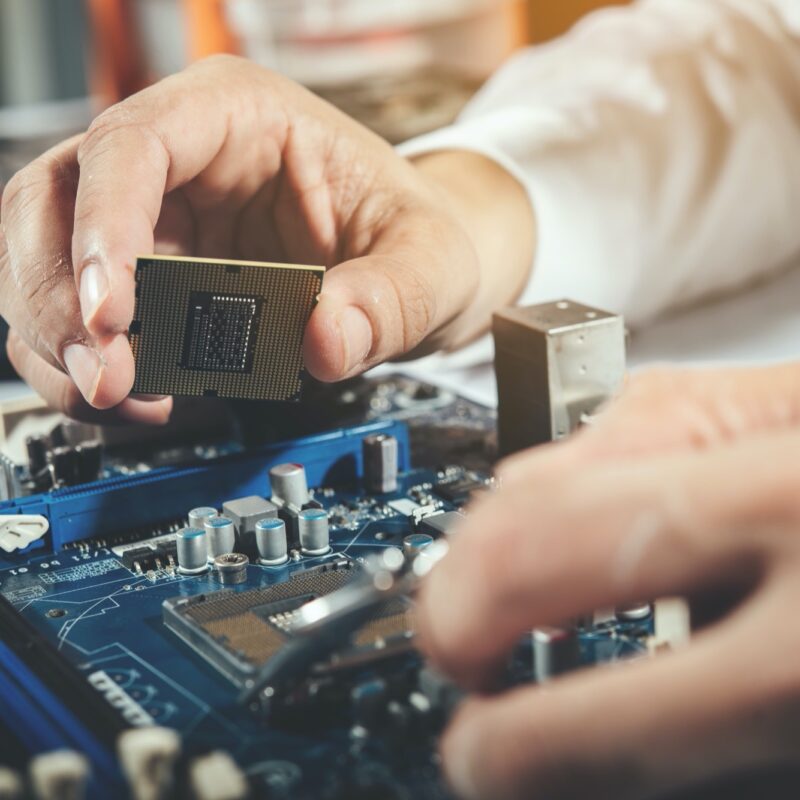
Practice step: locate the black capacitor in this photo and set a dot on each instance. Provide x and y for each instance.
(90, 460)
(57, 436)
(63, 463)
(381, 457)
(36, 447)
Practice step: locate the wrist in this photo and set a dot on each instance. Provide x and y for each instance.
(495, 213)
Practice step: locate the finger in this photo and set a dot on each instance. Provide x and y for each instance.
(416, 279)
(599, 536)
(35, 238)
(688, 408)
(39, 298)
(639, 729)
(148, 145)
(663, 410)
(61, 394)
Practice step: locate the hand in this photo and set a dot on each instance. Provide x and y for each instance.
(700, 492)
(229, 160)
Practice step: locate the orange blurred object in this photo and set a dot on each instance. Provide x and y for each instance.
(549, 19)
(118, 68)
(208, 30)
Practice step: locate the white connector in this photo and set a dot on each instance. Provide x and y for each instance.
(17, 531)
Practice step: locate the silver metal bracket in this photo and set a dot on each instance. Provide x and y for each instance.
(556, 363)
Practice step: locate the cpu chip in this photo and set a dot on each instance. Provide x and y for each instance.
(206, 327)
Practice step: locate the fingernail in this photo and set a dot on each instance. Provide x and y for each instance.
(357, 336)
(145, 412)
(85, 368)
(150, 398)
(93, 290)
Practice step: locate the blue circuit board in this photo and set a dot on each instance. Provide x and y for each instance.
(106, 620)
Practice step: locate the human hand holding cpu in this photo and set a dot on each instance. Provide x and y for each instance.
(227, 160)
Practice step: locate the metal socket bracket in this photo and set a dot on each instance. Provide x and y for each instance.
(555, 364)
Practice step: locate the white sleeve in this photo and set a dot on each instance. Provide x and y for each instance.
(660, 146)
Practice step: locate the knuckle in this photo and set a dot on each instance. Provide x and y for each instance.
(44, 174)
(13, 192)
(416, 302)
(122, 120)
(40, 291)
(222, 61)
(225, 66)
(20, 190)
(105, 123)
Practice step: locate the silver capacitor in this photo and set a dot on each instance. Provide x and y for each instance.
(289, 486)
(192, 551)
(555, 651)
(198, 516)
(312, 525)
(415, 543)
(636, 612)
(220, 536)
(381, 456)
(271, 542)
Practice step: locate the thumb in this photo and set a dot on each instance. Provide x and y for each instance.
(385, 304)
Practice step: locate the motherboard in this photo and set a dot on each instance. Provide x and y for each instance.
(130, 628)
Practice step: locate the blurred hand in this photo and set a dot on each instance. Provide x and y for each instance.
(690, 483)
(229, 160)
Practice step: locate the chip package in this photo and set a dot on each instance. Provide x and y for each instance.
(206, 327)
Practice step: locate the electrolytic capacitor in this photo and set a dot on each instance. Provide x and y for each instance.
(90, 460)
(220, 536)
(271, 542)
(312, 524)
(555, 651)
(381, 458)
(636, 612)
(289, 485)
(63, 463)
(415, 543)
(192, 551)
(36, 447)
(198, 516)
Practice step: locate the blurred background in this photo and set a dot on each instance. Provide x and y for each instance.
(402, 67)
